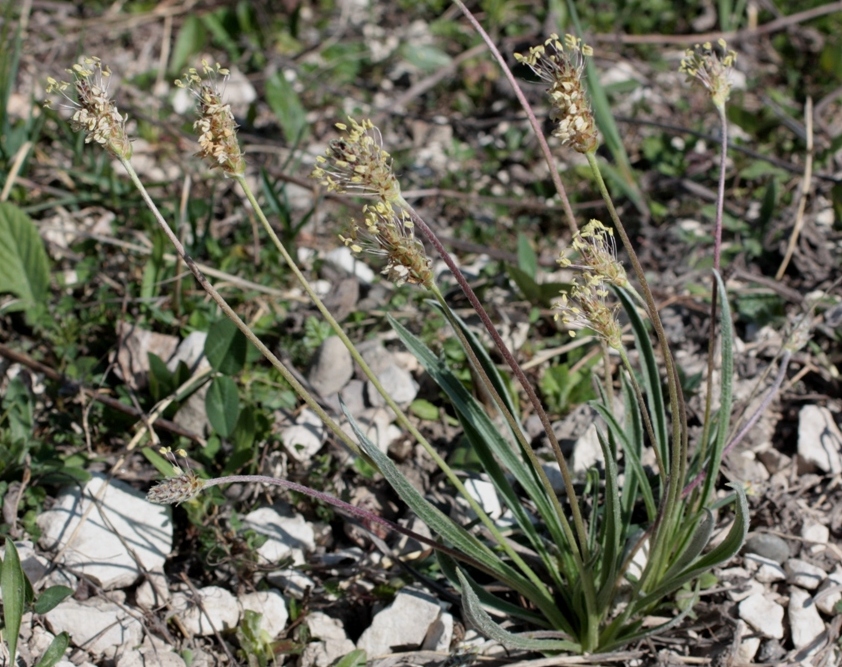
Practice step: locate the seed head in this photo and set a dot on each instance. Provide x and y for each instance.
(388, 232)
(585, 307)
(562, 65)
(216, 127)
(175, 490)
(93, 110)
(711, 68)
(597, 252)
(358, 163)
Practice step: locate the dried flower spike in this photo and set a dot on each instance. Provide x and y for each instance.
(175, 490)
(93, 110)
(358, 163)
(597, 252)
(711, 69)
(586, 308)
(562, 65)
(388, 232)
(216, 127)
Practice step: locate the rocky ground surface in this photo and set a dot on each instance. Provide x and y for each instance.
(146, 592)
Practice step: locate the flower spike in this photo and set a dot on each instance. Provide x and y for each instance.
(358, 163)
(562, 66)
(711, 69)
(216, 127)
(388, 232)
(93, 110)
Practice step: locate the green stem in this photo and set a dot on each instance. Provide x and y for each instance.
(231, 315)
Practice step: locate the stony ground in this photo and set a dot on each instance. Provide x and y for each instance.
(155, 585)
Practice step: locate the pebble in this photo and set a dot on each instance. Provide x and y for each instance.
(102, 627)
(271, 606)
(289, 534)
(305, 437)
(98, 547)
(819, 439)
(830, 592)
(331, 367)
(216, 610)
(586, 452)
(817, 534)
(342, 259)
(803, 574)
(328, 641)
(768, 570)
(763, 615)
(805, 623)
(768, 546)
(405, 623)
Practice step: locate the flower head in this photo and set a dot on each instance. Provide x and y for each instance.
(597, 252)
(184, 486)
(93, 110)
(712, 69)
(562, 65)
(388, 232)
(358, 163)
(585, 307)
(216, 127)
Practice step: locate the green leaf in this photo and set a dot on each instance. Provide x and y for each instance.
(650, 377)
(287, 107)
(226, 347)
(724, 551)
(191, 40)
(527, 260)
(423, 409)
(438, 522)
(55, 651)
(12, 584)
(223, 405)
(51, 597)
(24, 267)
(479, 619)
(356, 658)
(161, 380)
(427, 58)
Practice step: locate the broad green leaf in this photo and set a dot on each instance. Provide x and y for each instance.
(698, 541)
(24, 267)
(527, 284)
(55, 651)
(14, 599)
(190, 40)
(527, 260)
(724, 551)
(223, 405)
(479, 619)
(287, 107)
(51, 597)
(226, 347)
